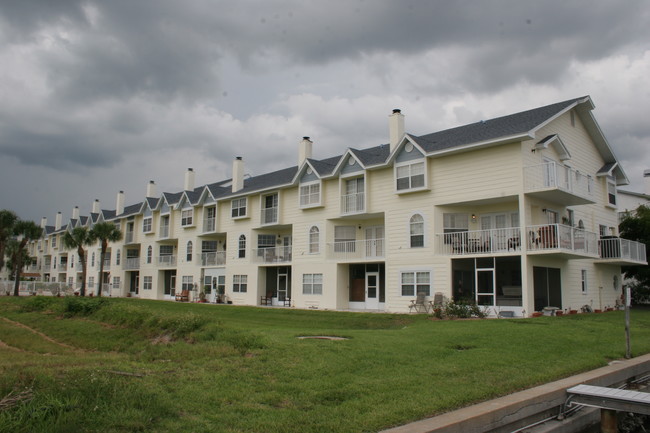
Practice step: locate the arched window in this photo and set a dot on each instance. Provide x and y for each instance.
(189, 251)
(118, 255)
(242, 246)
(314, 240)
(149, 254)
(92, 260)
(417, 231)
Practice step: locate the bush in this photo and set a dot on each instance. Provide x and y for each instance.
(459, 310)
(77, 306)
(38, 303)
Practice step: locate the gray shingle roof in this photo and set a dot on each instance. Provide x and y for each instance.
(605, 169)
(372, 156)
(153, 202)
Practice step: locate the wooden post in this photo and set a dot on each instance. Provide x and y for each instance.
(608, 422)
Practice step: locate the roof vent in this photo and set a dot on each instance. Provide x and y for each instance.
(396, 110)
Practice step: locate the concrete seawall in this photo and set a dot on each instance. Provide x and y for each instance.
(515, 411)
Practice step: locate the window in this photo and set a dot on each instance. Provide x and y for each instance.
(118, 255)
(602, 230)
(242, 246)
(409, 176)
(71, 281)
(186, 217)
(238, 206)
(310, 195)
(92, 260)
(314, 240)
(240, 283)
(455, 222)
(149, 254)
(116, 282)
(147, 224)
(353, 199)
(147, 283)
(187, 283)
(611, 192)
(209, 219)
(166, 250)
(269, 209)
(91, 283)
(584, 281)
(414, 282)
(417, 231)
(53, 242)
(344, 239)
(312, 284)
(164, 226)
(188, 255)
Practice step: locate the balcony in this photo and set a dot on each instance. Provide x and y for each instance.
(209, 225)
(129, 238)
(558, 184)
(269, 216)
(107, 264)
(166, 261)
(163, 233)
(47, 267)
(131, 263)
(622, 251)
(214, 258)
(475, 242)
(566, 240)
(272, 255)
(368, 249)
(353, 203)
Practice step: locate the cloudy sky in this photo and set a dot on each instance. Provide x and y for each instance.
(101, 96)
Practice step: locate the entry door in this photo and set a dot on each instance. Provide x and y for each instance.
(485, 285)
(547, 287)
(375, 241)
(550, 178)
(284, 291)
(135, 284)
(372, 290)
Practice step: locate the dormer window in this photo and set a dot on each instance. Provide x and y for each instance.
(410, 176)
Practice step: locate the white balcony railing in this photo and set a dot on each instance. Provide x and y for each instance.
(357, 250)
(168, 260)
(269, 215)
(132, 263)
(479, 241)
(209, 225)
(623, 249)
(47, 267)
(272, 255)
(352, 203)
(560, 237)
(550, 176)
(164, 232)
(214, 258)
(129, 237)
(107, 264)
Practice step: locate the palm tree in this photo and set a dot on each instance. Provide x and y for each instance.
(104, 233)
(25, 231)
(7, 221)
(78, 238)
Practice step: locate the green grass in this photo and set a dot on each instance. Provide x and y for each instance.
(132, 365)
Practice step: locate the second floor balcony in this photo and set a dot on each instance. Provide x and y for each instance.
(129, 237)
(366, 249)
(269, 216)
(272, 254)
(131, 263)
(556, 183)
(166, 261)
(353, 203)
(213, 258)
(622, 251)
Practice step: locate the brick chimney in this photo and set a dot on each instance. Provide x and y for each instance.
(395, 128)
(119, 203)
(189, 180)
(237, 174)
(304, 150)
(58, 220)
(151, 189)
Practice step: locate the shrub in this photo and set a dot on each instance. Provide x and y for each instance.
(77, 306)
(38, 303)
(460, 310)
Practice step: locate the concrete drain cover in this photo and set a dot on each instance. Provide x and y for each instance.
(321, 337)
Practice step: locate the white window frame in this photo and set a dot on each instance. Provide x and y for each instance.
(410, 176)
(411, 234)
(91, 283)
(241, 246)
(147, 282)
(236, 203)
(584, 283)
(187, 282)
(149, 254)
(147, 224)
(189, 251)
(343, 192)
(307, 197)
(415, 274)
(312, 284)
(116, 282)
(187, 217)
(610, 186)
(240, 283)
(264, 211)
(314, 245)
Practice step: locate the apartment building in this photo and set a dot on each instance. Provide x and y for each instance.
(516, 213)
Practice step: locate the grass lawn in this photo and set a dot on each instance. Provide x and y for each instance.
(123, 365)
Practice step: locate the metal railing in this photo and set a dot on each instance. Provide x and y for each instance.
(479, 241)
(168, 260)
(617, 248)
(555, 176)
(362, 249)
(214, 258)
(37, 287)
(269, 215)
(209, 225)
(272, 255)
(561, 237)
(352, 203)
(131, 263)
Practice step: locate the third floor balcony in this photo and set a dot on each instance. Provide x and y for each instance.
(559, 184)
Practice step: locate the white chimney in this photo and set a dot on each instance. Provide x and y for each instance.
(151, 189)
(395, 128)
(189, 179)
(96, 208)
(75, 213)
(646, 181)
(237, 174)
(119, 204)
(43, 222)
(304, 150)
(57, 221)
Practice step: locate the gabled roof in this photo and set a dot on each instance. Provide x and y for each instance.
(152, 202)
(324, 167)
(557, 143)
(267, 181)
(132, 209)
(607, 169)
(373, 156)
(49, 230)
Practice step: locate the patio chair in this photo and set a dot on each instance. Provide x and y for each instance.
(184, 296)
(267, 300)
(419, 304)
(438, 299)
